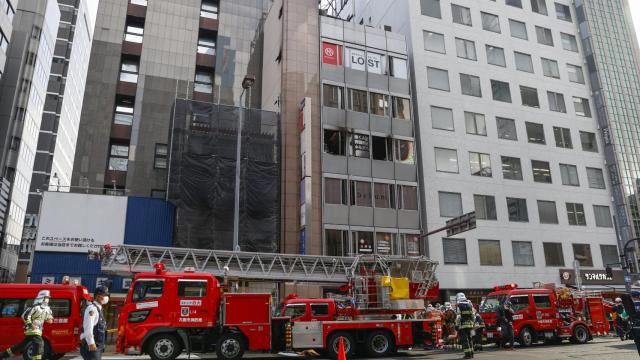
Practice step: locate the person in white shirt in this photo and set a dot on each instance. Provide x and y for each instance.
(94, 326)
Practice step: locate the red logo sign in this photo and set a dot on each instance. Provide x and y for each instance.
(331, 54)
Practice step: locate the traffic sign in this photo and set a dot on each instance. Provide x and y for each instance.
(461, 224)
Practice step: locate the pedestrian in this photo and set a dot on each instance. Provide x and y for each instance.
(94, 327)
(34, 318)
(505, 323)
(465, 324)
(478, 339)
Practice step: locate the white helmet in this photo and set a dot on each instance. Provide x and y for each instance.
(41, 295)
(618, 299)
(460, 297)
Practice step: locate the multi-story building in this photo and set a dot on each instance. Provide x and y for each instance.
(7, 13)
(59, 128)
(24, 89)
(506, 128)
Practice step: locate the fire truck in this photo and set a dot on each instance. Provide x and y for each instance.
(191, 308)
(546, 313)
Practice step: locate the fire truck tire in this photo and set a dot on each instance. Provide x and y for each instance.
(526, 337)
(379, 343)
(164, 347)
(580, 335)
(333, 344)
(230, 346)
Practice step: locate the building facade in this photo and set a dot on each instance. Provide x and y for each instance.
(61, 117)
(506, 129)
(7, 14)
(24, 88)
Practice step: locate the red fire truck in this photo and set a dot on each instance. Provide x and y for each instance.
(546, 313)
(166, 313)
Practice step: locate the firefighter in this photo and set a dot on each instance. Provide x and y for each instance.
(34, 318)
(465, 324)
(505, 323)
(479, 329)
(94, 327)
(619, 322)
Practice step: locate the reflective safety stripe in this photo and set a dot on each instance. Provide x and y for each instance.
(9, 352)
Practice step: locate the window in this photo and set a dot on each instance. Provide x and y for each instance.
(362, 242)
(519, 302)
(385, 243)
(495, 55)
(434, 42)
(550, 68)
(336, 242)
(506, 128)
(384, 196)
(544, 36)
(129, 70)
(446, 160)
(515, 3)
(485, 206)
(466, 49)
(490, 22)
(203, 82)
(358, 100)
(517, 209)
(518, 29)
(206, 45)
(582, 253)
(480, 164)
(461, 15)
(209, 9)
(319, 309)
(381, 148)
(602, 215)
(582, 106)
(610, 255)
(134, 33)
(569, 175)
(455, 251)
(139, 2)
(430, 8)
(500, 91)
(335, 142)
(547, 212)
(529, 96)
(401, 108)
(511, 168)
(575, 74)
(409, 244)
(10, 308)
(470, 85)
(523, 62)
(332, 96)
(124, 111)
(361, 193)
(407, 197)
(553, 255)
(359, 145)
(475, 123)
(295, 310)
(539, 6)
(119, 157)
(450, 204)
(563, 12)
(522, 253)
(397, 68)
(595, 178)
(541, 171)
(563, 137)
(404, 152)
(335, 191)
(192, 289)
(441, 118)
(144, 290)
(161, 155)
(575, 213)
(438, 79)
(379, 104)
(535, 133)
(588, 141)
(490, 254)
(542, 301)
(569, 42)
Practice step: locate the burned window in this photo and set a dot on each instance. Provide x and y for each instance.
(335, 142)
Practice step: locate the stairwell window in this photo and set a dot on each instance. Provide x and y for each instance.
(134, 33)
(124, 111)
(203, 82)
(209, 9)
(206, 45)
(129, 70)
(161, 156)
(118, 157)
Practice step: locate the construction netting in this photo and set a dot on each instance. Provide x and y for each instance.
(202, 165)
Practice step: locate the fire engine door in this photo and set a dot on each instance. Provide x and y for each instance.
(522, 310)
(148, 298)
(193, 308)
(545, 313)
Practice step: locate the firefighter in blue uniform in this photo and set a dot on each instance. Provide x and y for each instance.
(94, 326)
(465, 322)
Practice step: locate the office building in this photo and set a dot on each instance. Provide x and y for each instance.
(7, 14)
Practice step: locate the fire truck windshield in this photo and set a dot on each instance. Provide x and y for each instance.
(147, 290)
(491, 303)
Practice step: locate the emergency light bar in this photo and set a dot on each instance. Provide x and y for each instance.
(505, 287)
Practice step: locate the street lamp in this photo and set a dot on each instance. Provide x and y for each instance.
(247, 83)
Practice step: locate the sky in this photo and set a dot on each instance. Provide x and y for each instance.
(635, 13)
(93, 8)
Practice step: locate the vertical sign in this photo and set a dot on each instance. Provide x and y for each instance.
(331, 54)
(304, 118)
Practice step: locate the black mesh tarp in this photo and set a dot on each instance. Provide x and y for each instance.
(202, 177)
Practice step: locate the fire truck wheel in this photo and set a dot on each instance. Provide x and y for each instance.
(333, 344)
(379, 343)
(526, 337)
(580, 335)
(230, 346)
(164, 347)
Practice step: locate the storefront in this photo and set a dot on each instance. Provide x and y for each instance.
(596, 280)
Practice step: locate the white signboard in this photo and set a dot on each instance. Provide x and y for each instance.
(356, 59)
(126, 284)
(102, 281)
(80, 222)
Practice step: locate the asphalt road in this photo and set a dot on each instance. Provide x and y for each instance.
(599, 349)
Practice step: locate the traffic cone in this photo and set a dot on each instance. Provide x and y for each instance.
(341, 354)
